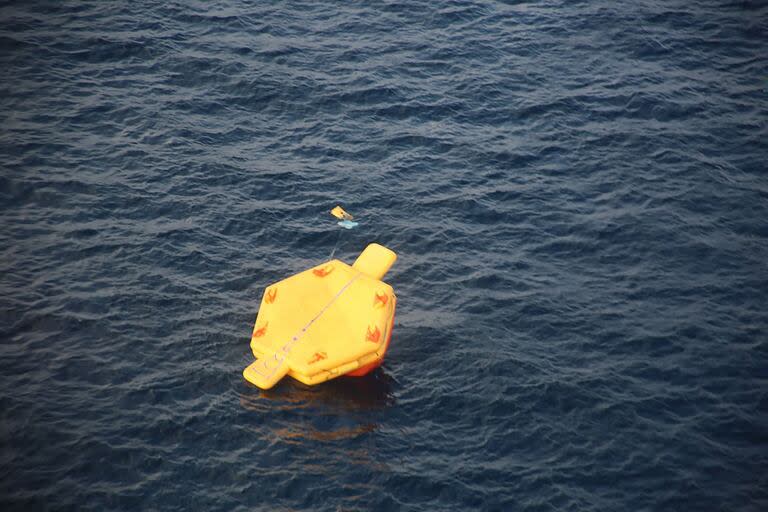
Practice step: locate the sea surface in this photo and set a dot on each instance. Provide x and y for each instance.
(577, 192)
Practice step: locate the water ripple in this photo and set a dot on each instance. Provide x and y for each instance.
(576, 192)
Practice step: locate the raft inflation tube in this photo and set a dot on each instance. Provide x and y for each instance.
(328, 321)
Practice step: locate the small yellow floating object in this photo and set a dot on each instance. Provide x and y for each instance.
(340, 214)
(328, 321)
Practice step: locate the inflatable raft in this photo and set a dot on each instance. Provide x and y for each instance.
(331, 320)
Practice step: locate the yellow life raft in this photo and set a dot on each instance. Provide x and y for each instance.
(328, 321)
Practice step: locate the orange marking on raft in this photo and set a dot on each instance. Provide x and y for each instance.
(258, 333)
(365, 370)
(322, 272)
(271, 296)
(319, 356)
(373, 335)
(380, 300)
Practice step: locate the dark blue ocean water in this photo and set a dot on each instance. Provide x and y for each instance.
(577, 191)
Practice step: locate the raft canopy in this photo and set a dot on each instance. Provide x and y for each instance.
(331, 320)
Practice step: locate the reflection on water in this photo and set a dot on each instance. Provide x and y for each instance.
(301, 434)
(339, 409)
(345, 394)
